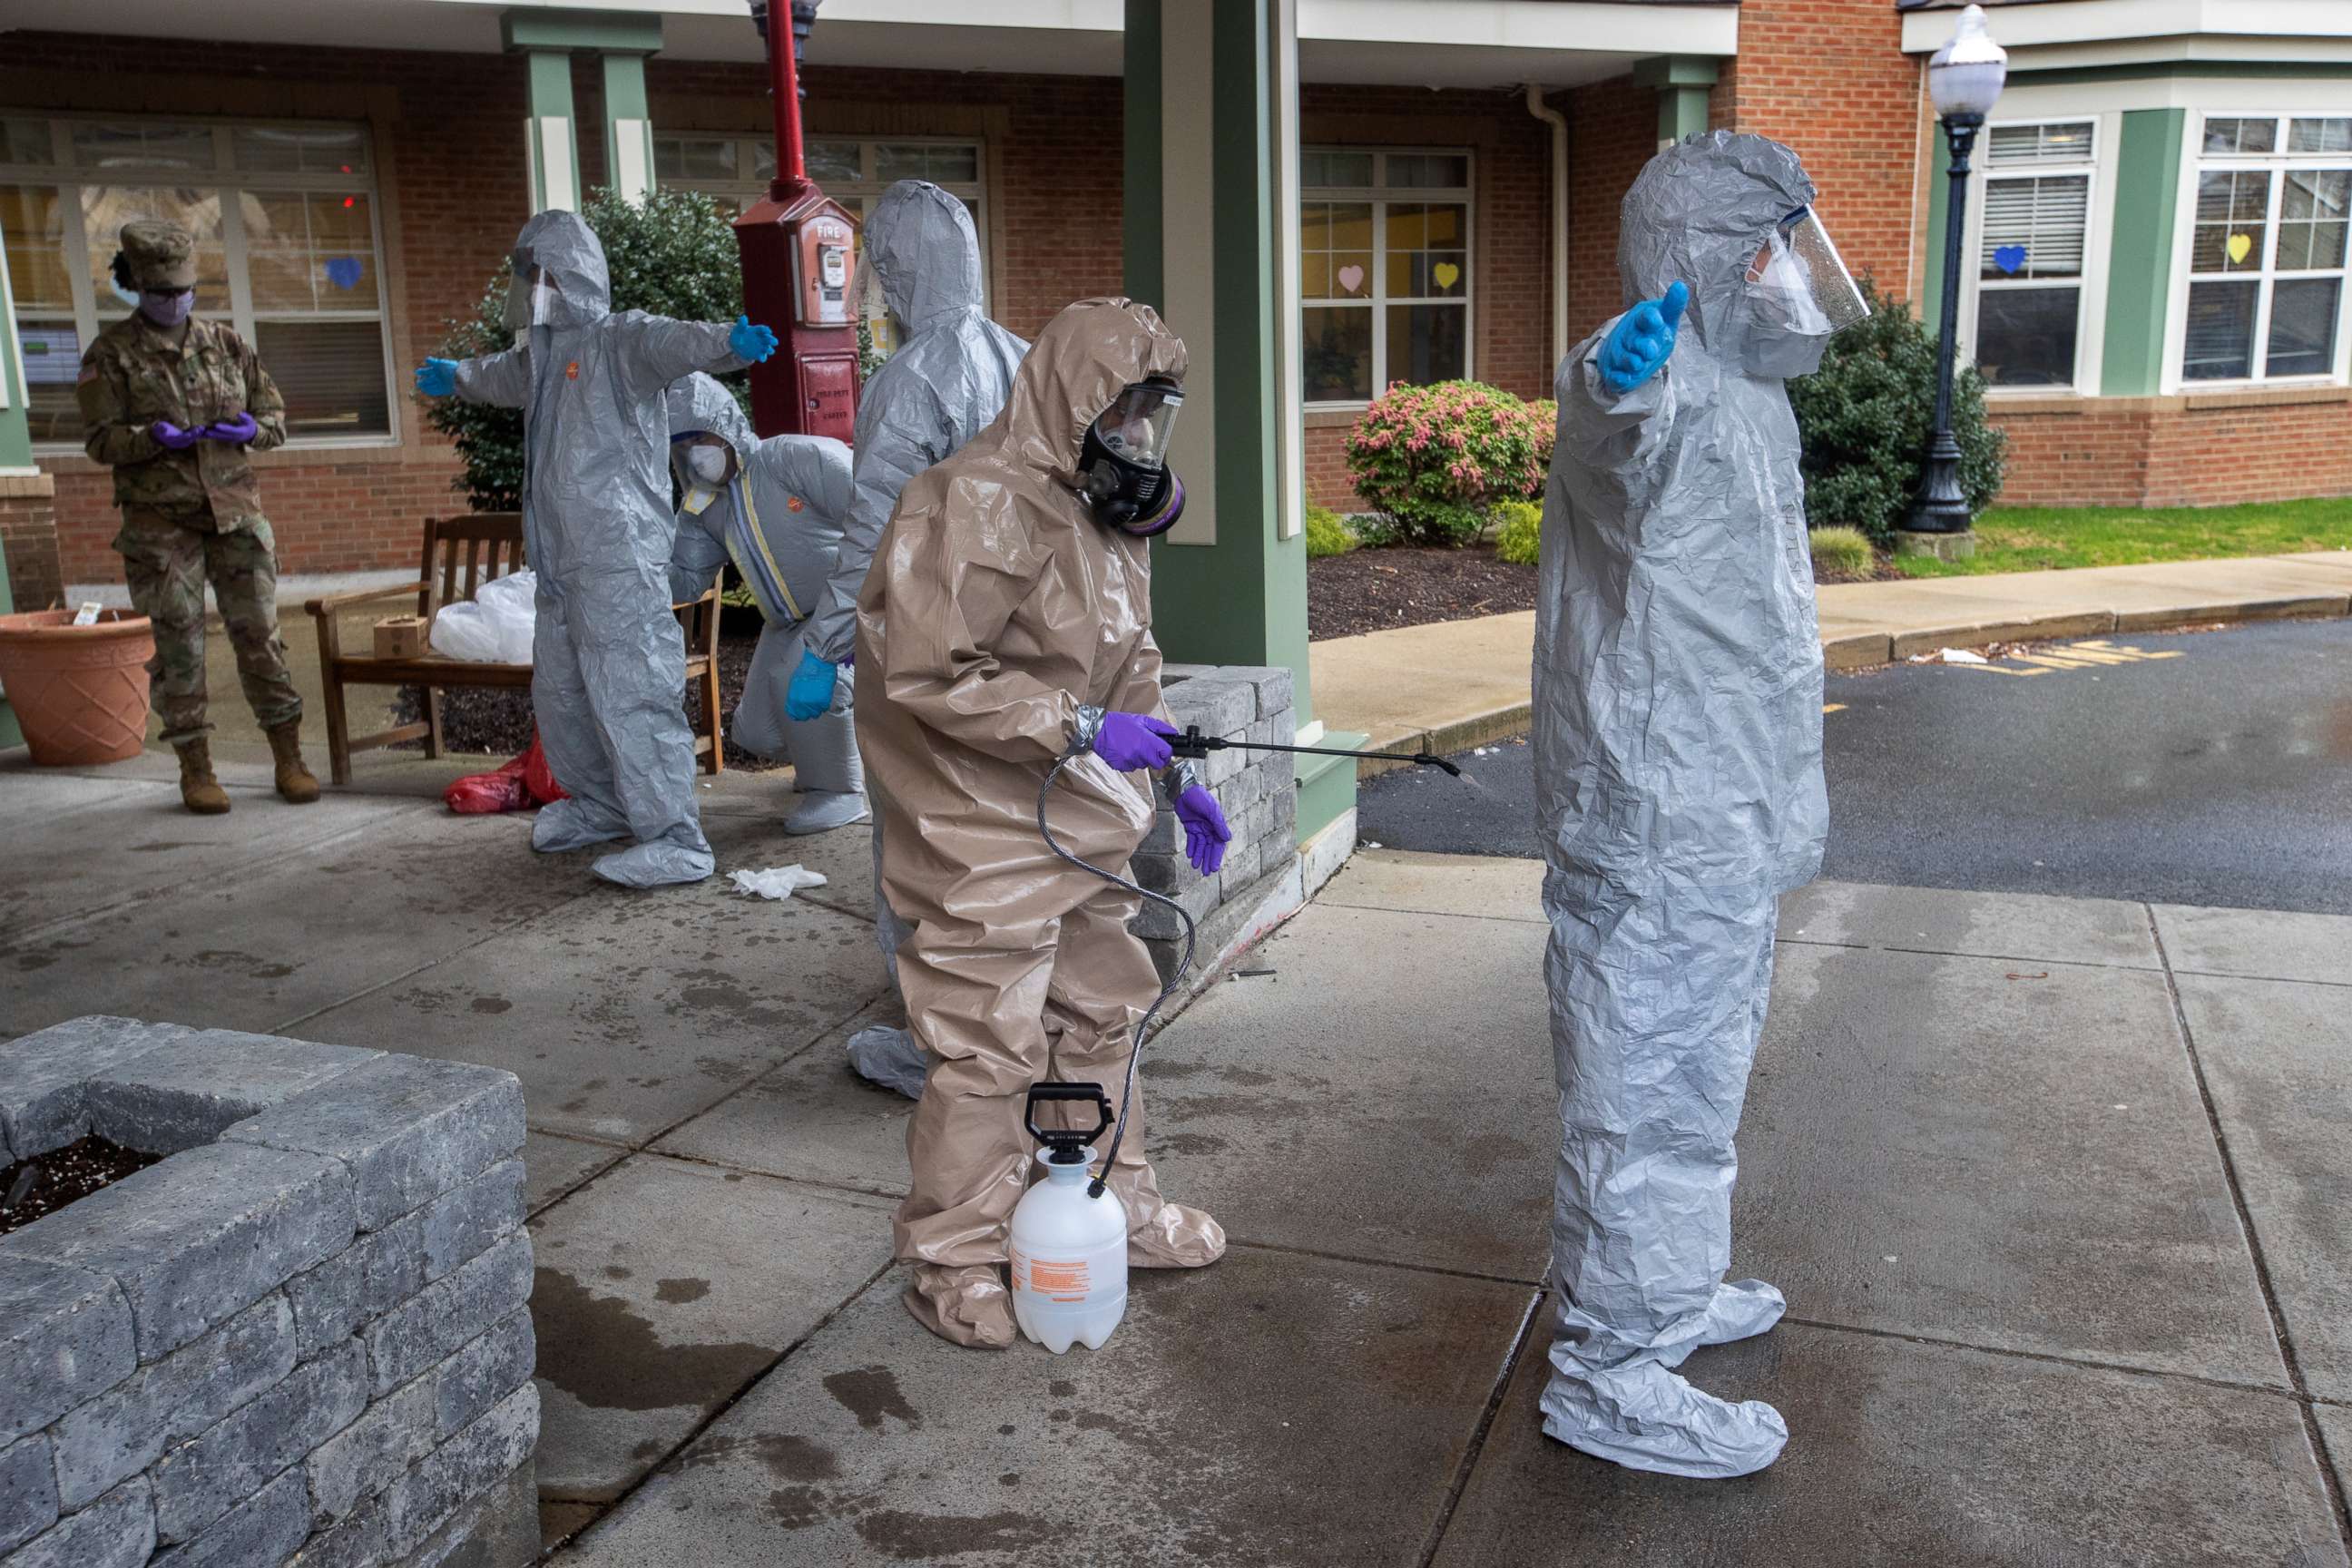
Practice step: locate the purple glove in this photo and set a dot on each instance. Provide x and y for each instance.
(236, 432)
(170, 435)
(1131, 741)
(1205, 833)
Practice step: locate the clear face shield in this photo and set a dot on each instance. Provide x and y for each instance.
(703, 464)
(1799, 296)
(530, 297)
(1123, 465)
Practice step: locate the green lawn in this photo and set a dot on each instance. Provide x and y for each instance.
(2037, 539)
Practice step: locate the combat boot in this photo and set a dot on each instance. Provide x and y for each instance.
(295, 781)
(199, 790)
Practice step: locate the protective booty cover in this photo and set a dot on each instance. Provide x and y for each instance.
(1172, 1236)
(1742, 1310)
(821, 811)
(1646, 1417)
(889, 1057)
(970, 1305)
(565, 825)
(1678, 781)
(657, 864)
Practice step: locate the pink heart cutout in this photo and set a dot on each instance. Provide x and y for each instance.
(1351, 278)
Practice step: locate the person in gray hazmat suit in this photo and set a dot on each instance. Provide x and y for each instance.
(775, 507)
(950, 377)
(1678, 780)
(608, 658)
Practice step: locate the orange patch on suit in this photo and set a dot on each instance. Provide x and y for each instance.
(571, 371)
(794, 503)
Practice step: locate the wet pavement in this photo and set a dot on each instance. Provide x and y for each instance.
(2211, 768)
(2054, 1187)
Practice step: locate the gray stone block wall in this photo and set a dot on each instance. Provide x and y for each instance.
(301, 1338)
(1258, 791)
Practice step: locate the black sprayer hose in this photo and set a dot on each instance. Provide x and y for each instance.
(1175, 979)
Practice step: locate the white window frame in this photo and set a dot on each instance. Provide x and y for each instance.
(748, 186)
(68, 178)
(1381, 196)
(2194, 164)
(2090, 284)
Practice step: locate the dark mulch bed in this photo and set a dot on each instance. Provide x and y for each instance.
(1409, 586)
(31, 1188)
(498, 720)
(1881, 569)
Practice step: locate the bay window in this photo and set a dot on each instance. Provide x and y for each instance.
(2267, 248)
(287, 252)
(1384, 270)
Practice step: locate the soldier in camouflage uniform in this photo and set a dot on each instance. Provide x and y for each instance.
(173, 404)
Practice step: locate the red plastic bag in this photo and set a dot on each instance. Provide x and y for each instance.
(486, 794)
(521, 784)
(538, 778)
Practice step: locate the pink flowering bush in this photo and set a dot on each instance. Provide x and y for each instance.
(1435, 460)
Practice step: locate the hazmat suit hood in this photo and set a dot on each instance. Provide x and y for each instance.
(996, 609)
(563, 245)
(925, 254)
(1706, 205)
(699, 404)
(1677, 738)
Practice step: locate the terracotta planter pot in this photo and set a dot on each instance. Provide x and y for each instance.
(80, 693)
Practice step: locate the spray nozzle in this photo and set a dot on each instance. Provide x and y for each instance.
(1067, 1145)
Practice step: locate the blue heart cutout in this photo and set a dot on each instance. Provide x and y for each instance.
(2010, 258)
(343, 272)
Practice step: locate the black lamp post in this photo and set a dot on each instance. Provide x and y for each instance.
(1964, 79)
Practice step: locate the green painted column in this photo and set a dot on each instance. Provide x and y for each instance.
(2139, 257)
(550, 132)
(628, 127)
(1211, 227)
(16, 430)
(1939, 210)
(547, 38)
(1682, 82)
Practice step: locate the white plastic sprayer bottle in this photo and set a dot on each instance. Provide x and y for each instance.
(1069, 1250)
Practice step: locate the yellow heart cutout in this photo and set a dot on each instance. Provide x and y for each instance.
(1447, 274)
(2240, 246)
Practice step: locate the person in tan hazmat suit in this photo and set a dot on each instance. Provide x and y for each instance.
(1005, 624)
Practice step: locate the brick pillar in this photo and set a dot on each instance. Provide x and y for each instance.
(28, 537)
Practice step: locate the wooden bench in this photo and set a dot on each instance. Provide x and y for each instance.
(461, 553)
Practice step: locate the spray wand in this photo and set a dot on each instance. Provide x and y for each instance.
(1190, 743)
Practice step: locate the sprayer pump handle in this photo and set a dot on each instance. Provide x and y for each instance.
(1077, 1094)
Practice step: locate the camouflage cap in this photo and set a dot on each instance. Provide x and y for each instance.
(159, 255)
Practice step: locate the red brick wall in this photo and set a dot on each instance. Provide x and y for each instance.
(2166, 451)
(1830, 79)
(28, 537)
(1612, 130)
(1511, 232)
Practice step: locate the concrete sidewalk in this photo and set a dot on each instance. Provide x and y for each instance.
(2054, 1187)
(1457, 684)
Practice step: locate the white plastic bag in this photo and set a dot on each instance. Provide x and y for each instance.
(494, 627)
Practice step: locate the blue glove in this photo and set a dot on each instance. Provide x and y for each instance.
(751, 344)
(1205, 833)
(166, 434)
(237, 432)
(438, 377)
(1641, 339)
(1131, 741)
(811, 691)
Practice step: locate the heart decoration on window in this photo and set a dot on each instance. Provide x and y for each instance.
(344, 271)
(2241, 246)
(1351, 279)
(2010, 258)
(1447, 274)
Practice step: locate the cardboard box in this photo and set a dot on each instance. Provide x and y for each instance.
(400, 636)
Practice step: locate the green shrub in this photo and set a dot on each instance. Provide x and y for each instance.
(675, 257)
(1863, 419)
(1840, 552)
(1327, 534)
(1519, 531)
(1435, 459)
